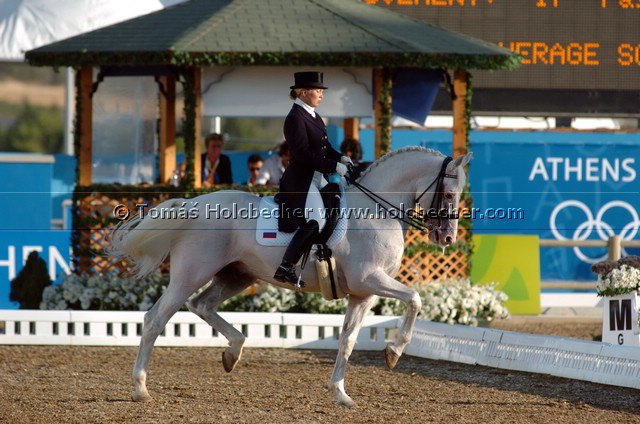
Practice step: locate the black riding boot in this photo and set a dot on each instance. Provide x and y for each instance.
(301, 241)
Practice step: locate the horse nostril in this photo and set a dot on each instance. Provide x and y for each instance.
(448, 240)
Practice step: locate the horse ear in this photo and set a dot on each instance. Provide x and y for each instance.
(462, 160)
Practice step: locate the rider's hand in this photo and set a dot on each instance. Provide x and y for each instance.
(346, 160)
(341, 169)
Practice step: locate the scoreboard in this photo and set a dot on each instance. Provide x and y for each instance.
(579, 56)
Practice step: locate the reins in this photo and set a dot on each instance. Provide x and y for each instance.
(411, 219)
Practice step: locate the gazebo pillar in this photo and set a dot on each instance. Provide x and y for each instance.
(382, 111)
(460, 130)
(84, 115)
(167, 136)
(351, 128)
(197, 137)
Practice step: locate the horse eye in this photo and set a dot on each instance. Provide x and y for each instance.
(449, 196)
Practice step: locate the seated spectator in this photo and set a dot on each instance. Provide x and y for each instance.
(254, 163)
(274, 167)
(216, 167)
(352, 148)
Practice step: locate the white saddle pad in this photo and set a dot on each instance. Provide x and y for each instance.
(267, 233)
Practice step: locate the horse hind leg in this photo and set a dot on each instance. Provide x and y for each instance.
(228, 282)
(154, 322)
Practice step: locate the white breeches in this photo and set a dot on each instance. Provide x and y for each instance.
(314, 208)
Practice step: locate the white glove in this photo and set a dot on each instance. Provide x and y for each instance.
(341, 169)
(346, 160)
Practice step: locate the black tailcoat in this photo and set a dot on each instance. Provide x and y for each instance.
(310, 152)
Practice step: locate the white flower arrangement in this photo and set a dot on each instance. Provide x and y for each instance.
(453, 302)
(97, 292)
(617, 281)
(456, 301)
(461, 302)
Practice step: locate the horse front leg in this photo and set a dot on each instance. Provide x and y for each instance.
(356, 311)
(226, 283)
(383, 285)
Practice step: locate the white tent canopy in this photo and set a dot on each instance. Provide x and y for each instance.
(28, 24)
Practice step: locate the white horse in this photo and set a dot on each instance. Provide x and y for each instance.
(225, 250)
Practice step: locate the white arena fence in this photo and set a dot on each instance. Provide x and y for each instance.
(557, 356)
(124, 328)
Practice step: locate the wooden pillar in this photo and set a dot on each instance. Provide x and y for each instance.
(167, 136)
(351, 128)
(197, 92)
(382, 112)
(460, 84)
(84, 113)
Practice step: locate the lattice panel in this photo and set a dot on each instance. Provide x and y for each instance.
(96, 212)
(423, 267)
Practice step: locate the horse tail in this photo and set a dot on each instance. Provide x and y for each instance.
(147, 241)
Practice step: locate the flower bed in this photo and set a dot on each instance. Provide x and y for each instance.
(454, 302)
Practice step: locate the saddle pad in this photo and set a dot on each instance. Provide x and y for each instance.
(267, 233)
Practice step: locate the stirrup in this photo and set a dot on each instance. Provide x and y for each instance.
(286, 274)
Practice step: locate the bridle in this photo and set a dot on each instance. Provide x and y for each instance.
(415, 219)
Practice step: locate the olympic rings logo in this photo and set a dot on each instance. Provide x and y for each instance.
(597, 223)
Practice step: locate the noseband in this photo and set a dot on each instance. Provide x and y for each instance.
(420, 222)
(438, 195)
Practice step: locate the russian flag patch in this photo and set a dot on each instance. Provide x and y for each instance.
(269, 235)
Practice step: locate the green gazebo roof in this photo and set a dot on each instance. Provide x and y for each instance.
(274, 32)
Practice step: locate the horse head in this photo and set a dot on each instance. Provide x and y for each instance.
(439, 210)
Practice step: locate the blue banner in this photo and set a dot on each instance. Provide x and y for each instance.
(52, 246)
(576, 186)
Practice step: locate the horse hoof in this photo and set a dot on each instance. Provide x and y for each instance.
(141, 397)
(228, 361)
(391, 357)
(347, 402)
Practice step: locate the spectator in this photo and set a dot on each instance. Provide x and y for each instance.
(274, 167)
(254, 163)
(352, 148)
(216, 167)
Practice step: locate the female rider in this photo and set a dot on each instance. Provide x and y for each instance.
(311, 157)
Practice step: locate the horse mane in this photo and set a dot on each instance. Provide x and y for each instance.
(395, 153)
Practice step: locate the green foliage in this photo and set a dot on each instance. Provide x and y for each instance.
(35, 130)
(178, 58)
(384, 120)
(189, 125)
(29, 284)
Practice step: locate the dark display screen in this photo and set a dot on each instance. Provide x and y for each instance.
(588, 45)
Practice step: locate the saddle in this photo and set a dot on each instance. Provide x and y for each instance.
(267, 233)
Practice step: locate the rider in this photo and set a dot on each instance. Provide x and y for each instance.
(311, 157)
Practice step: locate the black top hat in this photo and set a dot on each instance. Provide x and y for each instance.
(308, 80)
